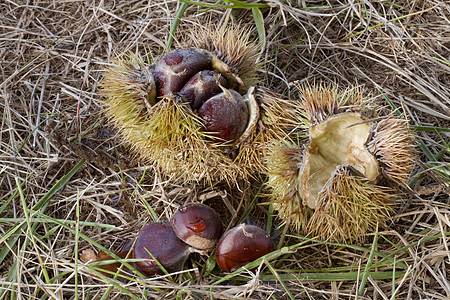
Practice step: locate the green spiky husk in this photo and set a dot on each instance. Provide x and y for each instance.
(168, 135)
(232, 45)
(171, 136)
(279, 117)
(124, 86)
(321, 101)
(348, 206)
(394, 145)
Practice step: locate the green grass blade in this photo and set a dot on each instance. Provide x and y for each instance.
(77, 234)
(12, 235)
(150, 209)
(176, 21)
(347, 276)
(280, 280)
(159, 265)
(243, 4)
(391, 255)
(269, 223)
(114, 284)
(89, 240)
(429, 128)
(64, 221)
(250, 207)
(359, 248)
(366, 272)
(31, 231)
(442, 61)
(13, 275)
(25, 141)
(234, 4)
(384, 23)
(6, 204)
(259, 22)
(393, 280)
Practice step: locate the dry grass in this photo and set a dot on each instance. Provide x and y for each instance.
(52, 56)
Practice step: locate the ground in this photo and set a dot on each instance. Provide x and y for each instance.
(68, 183)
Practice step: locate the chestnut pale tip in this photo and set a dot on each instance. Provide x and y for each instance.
(241, 245)
(198, 225)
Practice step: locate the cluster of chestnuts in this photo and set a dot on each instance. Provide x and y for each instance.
(194, 111)
(195, 227)
(192, 226)
(199, 78)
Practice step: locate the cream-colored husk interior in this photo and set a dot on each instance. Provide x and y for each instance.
(334, 143)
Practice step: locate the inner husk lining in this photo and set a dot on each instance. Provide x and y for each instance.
(333, 143)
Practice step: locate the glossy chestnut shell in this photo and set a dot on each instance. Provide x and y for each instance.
(175, 69)
(198, 225)
(241, 245)
(225, 115)
(161, 241)
(201, 87)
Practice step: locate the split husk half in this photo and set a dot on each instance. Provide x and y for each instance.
(338, 179)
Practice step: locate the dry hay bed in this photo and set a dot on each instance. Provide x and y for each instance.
(68, 184)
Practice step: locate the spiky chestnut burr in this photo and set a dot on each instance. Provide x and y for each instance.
(232, 46)
(342, 179)
(166, 127)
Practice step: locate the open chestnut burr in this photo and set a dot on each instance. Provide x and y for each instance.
(160, 240)
(194, 111)
(241, 245)
(197, 225)
(342, 179)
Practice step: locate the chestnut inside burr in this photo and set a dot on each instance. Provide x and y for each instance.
(201, 87)
(177, 67)
(198, 77)
(225, 115)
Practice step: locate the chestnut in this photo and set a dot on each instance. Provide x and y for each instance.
(161, 241)
(225, 115)
(241, 245)
(202, 86)
(175, 69)
(198, 225)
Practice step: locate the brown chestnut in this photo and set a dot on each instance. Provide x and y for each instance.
(241, 245)
(201, 87)
(175, 68)
(225, 115)
(161, 241)
(198, 225)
